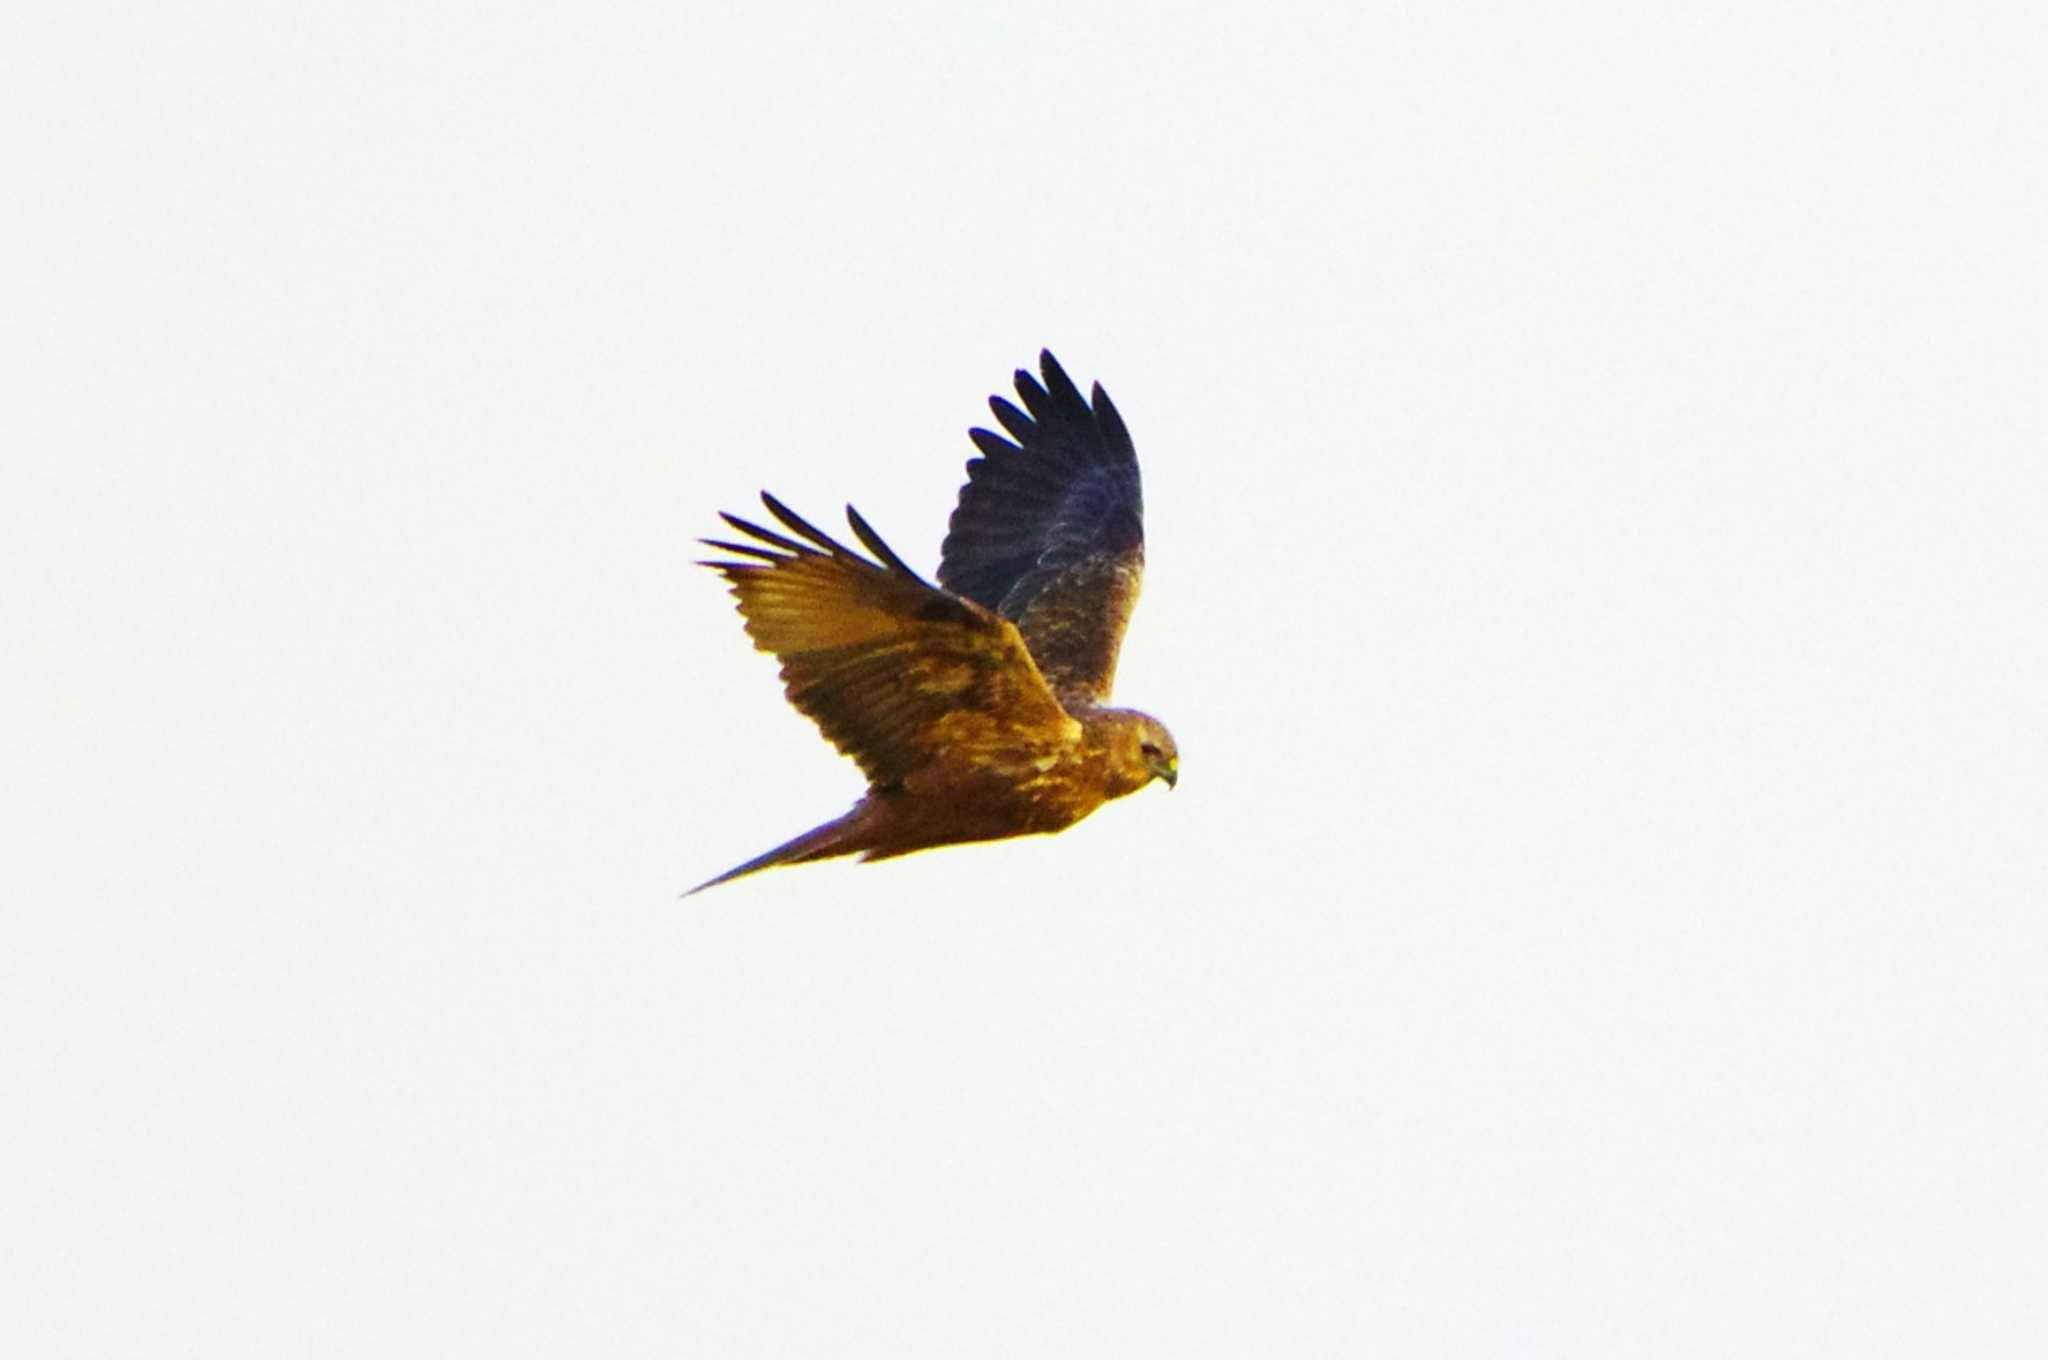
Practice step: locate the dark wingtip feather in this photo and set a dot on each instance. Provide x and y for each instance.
(802, 527)
(1031, 393)
(753, 530)
(749, 549)
(872, 541)
(1057, 382)
(1112, 422)
(1011, 419)
(991, 443)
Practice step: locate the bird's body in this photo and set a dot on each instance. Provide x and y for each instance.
(977, 711)
(954, 802)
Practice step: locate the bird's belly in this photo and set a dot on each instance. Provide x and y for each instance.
(1018, 798)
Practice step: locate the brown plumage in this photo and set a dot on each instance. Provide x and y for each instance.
(976, 708)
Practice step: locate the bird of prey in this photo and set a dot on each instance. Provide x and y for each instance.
(977, 708)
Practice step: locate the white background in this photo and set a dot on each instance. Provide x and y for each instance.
(1596, 487)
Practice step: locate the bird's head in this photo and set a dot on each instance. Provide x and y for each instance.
(1141, 750)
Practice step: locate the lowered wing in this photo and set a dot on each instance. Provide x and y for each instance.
(896, 674)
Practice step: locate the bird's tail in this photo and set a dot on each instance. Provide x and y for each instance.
(836, 837)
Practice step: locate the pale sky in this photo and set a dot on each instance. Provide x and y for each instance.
(1596, 493)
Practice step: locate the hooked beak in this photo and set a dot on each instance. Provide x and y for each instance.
(1171, 774)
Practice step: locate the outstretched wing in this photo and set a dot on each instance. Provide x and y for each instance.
(894, 672)
(1050, 529)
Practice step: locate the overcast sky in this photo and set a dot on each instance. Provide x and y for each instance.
(1596, 483)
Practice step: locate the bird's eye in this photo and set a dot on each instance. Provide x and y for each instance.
(1147, 748)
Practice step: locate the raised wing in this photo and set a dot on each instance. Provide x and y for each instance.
(894, 672)
(1050, 531)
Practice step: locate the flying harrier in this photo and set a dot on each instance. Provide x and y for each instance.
(978, 709)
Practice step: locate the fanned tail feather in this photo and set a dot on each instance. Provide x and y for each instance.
(820, 842)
